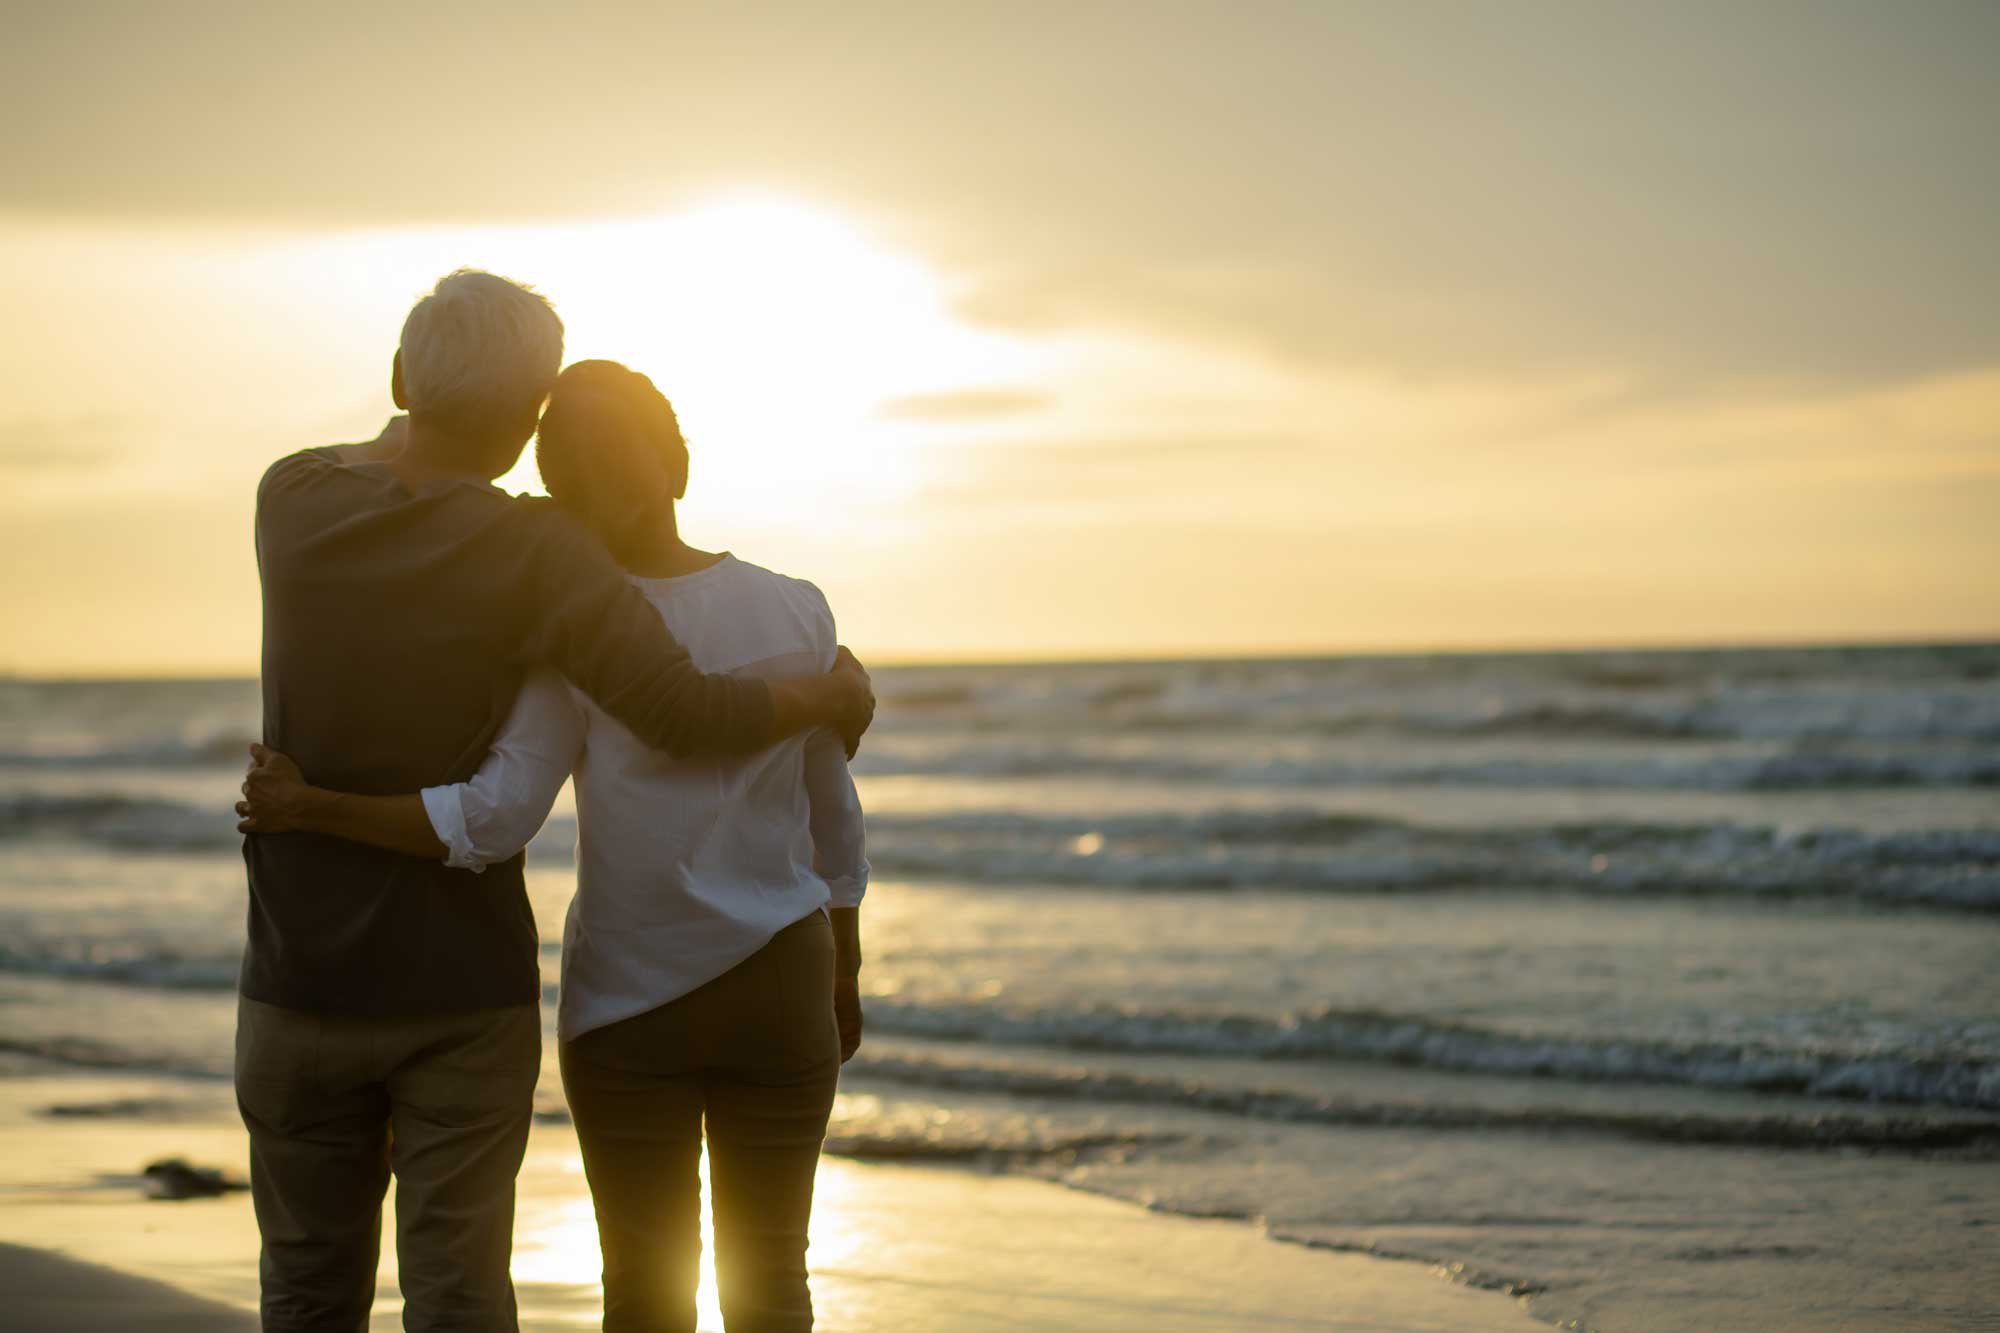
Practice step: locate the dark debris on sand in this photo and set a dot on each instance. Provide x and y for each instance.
(177, 1178)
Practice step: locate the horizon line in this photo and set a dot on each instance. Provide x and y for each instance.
(1176, 656)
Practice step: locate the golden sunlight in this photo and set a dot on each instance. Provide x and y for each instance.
(1430, 575)
(557, 1237)
(779, 329)
(559, 1246)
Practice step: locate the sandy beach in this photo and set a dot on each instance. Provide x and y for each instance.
(895, 1247)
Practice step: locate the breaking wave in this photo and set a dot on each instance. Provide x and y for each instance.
(1979, 1137)
(1902, 1077)
(1309, 850)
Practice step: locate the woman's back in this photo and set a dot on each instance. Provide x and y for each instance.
(687, 867)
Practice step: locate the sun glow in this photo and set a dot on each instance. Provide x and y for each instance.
(778, 329)
(557, 1247)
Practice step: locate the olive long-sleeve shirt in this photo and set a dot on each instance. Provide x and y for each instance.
(399, 623)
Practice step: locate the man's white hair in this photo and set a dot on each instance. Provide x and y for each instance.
(480, 351)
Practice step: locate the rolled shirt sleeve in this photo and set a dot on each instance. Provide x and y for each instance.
(447, 816)
(493, 816)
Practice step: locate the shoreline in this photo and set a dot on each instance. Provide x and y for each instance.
(935, 1245)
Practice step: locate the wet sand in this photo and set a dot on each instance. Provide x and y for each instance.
(895, 1247)
(45, 1290)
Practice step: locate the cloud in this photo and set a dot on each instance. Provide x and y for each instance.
(1555, 306)
(34, 445)
(1687, 194)
(966, 405)
(1133, 474)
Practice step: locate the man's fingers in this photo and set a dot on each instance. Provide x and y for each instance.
(845, 660)
(863, 712)
(857, 727)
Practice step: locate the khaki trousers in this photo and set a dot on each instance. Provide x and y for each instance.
(334, 1105)
(755, 1054)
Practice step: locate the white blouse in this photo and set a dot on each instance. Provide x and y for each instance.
(684, 868)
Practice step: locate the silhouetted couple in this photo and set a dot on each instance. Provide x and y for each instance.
(439, 657)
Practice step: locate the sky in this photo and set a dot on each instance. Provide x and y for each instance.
(1043, 330)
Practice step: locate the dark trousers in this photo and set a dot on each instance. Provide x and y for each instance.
(755, 1053)
(334, 1105)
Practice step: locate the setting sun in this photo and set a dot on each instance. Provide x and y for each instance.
(779, 330)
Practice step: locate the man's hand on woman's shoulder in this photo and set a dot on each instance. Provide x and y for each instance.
(841, 698)
(860, 707)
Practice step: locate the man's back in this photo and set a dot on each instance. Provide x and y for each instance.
(398, 624)
(389, 660)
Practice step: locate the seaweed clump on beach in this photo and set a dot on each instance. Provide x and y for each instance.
(177, 1178)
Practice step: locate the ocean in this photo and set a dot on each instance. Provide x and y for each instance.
(1660, 989)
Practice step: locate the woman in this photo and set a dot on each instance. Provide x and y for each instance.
(711, 954)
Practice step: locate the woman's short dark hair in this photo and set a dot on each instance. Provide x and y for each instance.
(609, 448)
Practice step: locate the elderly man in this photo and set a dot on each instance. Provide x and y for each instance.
(389, 1017)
